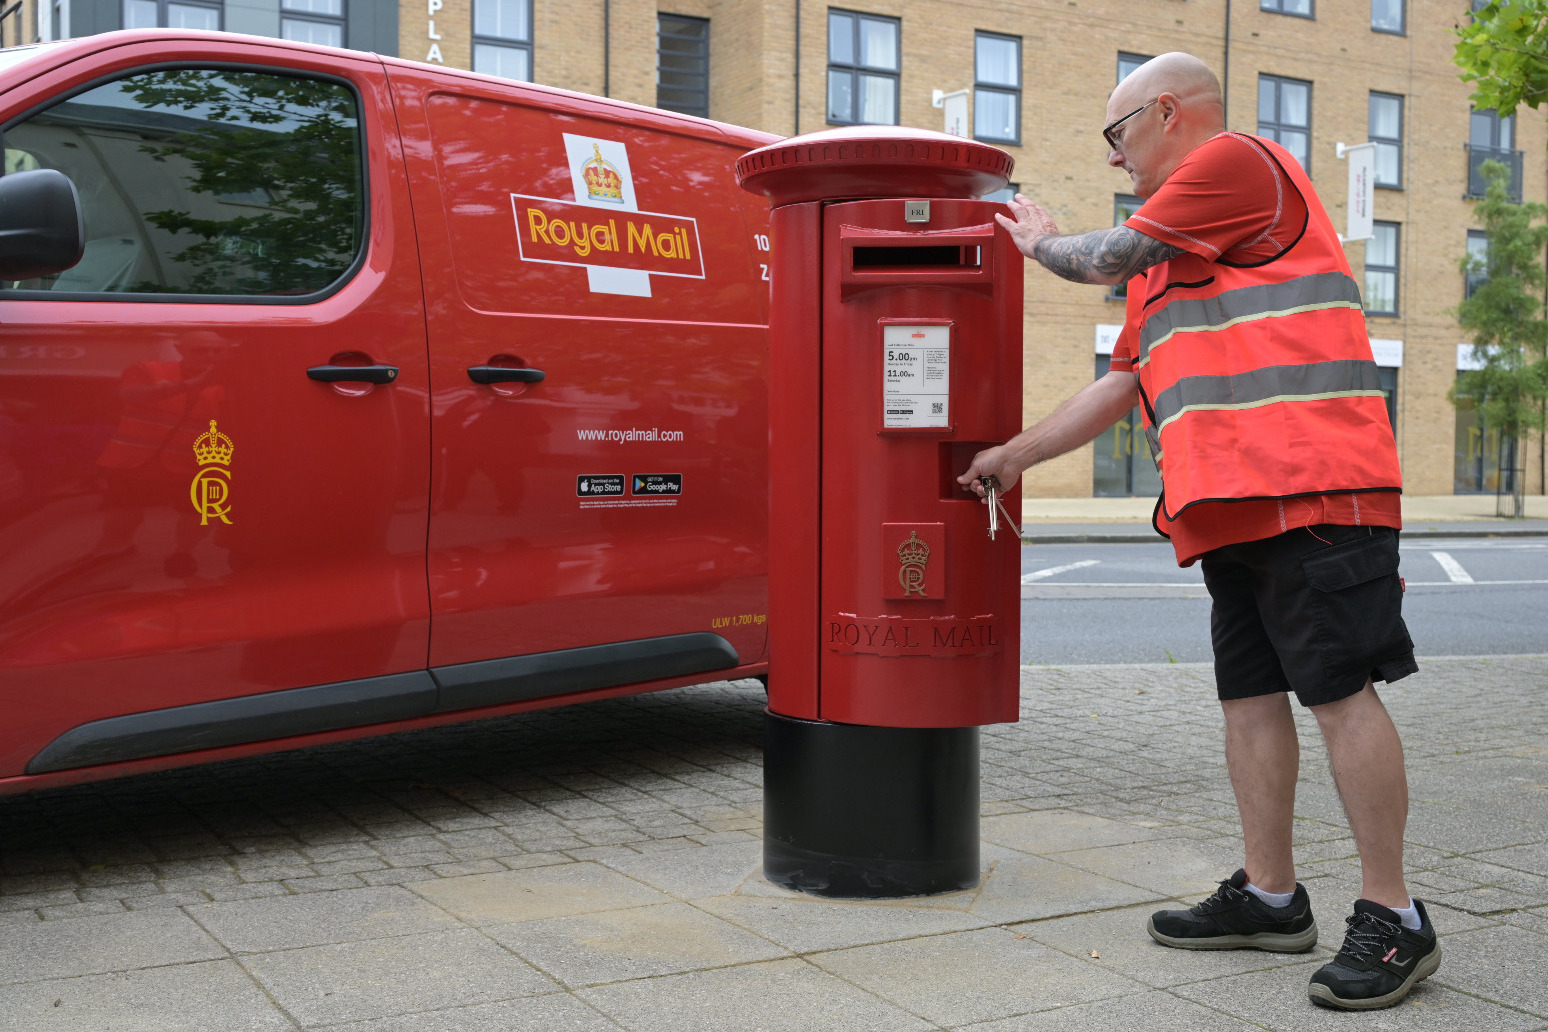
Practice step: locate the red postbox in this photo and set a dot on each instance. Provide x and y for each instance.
(895, 355)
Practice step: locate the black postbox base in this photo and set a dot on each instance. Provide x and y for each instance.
(869, 812)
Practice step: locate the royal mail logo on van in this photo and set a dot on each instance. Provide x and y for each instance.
(603, 230)
(563, 233)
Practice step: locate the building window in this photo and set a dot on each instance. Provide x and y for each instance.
(1284, 115)
(997, 88)
(1492, 138)
(1381, 270)
(1299, 8)
(502, 38)
(1124, 205)
(313, 21)
(1386, 131)
(1387, 16)
(1484, 458)
(1477, 262)
(864, 57)
(682, 64)
(1389, 377)
(1121, 465)
(1128, 64)
(171, 14)
(1004, 195)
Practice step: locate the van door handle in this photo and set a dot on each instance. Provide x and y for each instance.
(503, 374)
(353, 373)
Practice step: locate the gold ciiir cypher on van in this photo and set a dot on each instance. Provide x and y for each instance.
(211, 490)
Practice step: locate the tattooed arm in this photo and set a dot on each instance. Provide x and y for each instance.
(1103, 256)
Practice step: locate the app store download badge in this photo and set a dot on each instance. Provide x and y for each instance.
(657, 484)
(599, 485)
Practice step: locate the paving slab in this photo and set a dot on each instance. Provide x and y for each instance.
(1499, 963)
(534, 893)
(974, 976)
(215, 996)
(1123, 946)
(291, 922)
(87, 945)
(1277, 999)
(555, 1012)
(687, 874)
(1154, 1009)
(1022, 888)
(384, 977)
(804, 924)
(638, 942)
(775, 996)
(1183, 870)
(1055, 831)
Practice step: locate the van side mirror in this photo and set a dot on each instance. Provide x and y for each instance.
(42, 230)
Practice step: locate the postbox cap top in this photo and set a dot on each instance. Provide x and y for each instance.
(865, 161)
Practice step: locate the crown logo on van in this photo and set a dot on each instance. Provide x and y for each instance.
(213, 446)
(603, 183)
(210, 491)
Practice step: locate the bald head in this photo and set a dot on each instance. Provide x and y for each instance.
(1172, 104)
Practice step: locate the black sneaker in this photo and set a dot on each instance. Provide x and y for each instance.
(1379, 961)
(1235, 919)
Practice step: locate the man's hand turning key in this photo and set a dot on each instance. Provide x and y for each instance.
(991, 462)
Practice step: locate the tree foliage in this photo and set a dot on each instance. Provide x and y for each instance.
(286, 147)
(1503, 51)
(1504, 316)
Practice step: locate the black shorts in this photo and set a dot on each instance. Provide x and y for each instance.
(1316, 610)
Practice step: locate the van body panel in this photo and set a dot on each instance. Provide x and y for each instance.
(117, 594)
(624, 496)
(208, 552)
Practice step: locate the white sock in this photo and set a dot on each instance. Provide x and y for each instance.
(1409, 915)
(1274, 899)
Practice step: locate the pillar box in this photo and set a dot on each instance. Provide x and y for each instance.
(895, 356)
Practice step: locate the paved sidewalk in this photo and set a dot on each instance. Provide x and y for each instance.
(1099, 520)
(596, 868)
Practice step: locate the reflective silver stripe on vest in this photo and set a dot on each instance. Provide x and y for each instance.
(1356, 378)
(1244, 304)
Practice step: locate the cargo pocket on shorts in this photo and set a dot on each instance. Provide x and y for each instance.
(1358, 600)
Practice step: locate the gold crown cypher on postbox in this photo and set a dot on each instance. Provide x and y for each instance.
(913, 556)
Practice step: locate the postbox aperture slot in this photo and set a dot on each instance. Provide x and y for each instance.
(916, 256)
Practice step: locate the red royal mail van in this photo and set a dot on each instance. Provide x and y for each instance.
(342, 395)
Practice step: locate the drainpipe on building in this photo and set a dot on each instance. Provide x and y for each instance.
(607, 48)
(797, 69)
(1225, 82)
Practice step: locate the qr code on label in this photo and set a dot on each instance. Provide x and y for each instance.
(937, 408)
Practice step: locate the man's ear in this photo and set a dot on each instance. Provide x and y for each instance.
(1169, 105)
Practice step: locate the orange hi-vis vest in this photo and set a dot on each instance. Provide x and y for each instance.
(1258, 381)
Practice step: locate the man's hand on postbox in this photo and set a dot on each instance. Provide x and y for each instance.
(996, 462)
(1030, 224)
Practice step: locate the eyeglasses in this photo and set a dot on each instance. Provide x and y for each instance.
(1109, 133)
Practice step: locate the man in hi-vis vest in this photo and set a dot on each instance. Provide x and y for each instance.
(1244, 343)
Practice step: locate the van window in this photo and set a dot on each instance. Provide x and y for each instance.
(205, 181)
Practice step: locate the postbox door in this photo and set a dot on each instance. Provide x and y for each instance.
(921, 367)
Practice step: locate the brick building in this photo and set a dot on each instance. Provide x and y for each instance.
(1311, 73)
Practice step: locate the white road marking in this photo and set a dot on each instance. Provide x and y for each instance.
(1453, 568)
(1054, 571)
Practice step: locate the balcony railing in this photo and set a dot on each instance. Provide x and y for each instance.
(1476, 183)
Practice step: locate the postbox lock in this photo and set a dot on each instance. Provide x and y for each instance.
(916, 211)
